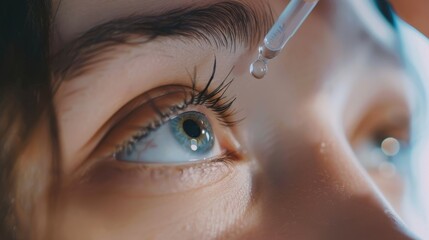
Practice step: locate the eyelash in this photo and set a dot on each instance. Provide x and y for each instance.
(214, 100)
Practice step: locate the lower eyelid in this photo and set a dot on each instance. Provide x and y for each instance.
(149, 180)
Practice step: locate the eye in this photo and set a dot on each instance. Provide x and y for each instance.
(186, 137)
(381, 142)
(169, 139)
(384, 155)
(174, 124)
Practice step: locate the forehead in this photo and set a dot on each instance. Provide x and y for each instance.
(74, 17)
(332, 32)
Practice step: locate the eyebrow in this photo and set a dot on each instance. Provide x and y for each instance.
(224, 24)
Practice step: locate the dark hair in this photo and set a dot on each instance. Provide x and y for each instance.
(24, 91)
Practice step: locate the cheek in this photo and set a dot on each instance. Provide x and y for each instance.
(33, 172)
(392, 186)
(205, 213)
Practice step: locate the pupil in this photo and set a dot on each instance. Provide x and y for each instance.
(191, 128)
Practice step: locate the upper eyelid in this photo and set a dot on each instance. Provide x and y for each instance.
(214, 98)
(220, 24)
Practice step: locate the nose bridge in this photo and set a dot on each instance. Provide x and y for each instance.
(315, 187)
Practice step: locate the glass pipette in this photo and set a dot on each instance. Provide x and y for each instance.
(283, 29)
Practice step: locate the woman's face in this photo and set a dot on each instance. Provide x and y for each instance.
(155, 147)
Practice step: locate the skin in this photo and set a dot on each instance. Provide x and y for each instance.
(298, 174)
(414, 12)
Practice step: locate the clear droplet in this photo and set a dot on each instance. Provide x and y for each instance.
(259, 68)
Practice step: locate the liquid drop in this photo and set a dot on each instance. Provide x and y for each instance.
(259, 68)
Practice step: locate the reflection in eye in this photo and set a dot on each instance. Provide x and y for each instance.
(390, 146)
(186, 137)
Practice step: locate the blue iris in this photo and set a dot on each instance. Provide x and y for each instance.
(193, 131)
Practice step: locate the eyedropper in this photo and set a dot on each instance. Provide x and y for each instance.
(283, 29)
